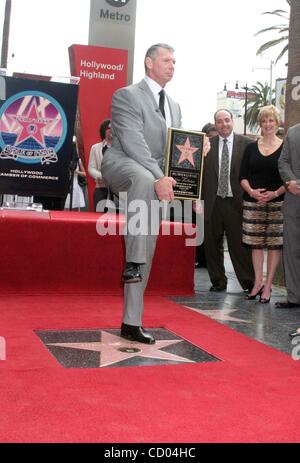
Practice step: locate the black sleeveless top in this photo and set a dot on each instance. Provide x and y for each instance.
(261, 171)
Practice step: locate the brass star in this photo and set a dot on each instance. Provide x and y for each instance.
(114, 349)
(221, 315)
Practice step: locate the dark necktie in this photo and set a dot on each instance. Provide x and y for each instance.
(224, 171)
(104, 149)
(162, 103)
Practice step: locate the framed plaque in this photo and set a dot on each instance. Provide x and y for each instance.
(184, 162)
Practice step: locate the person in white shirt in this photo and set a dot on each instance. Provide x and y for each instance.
(96, 156)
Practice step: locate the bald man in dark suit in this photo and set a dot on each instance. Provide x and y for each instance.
(223, 207)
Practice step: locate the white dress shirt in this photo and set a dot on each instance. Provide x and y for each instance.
(230, 146)
(95, 161)
(155, 89)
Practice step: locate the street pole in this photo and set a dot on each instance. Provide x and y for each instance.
(5, 35)
(270, 69)
(246, 109)
(271, 81)
(245, 88)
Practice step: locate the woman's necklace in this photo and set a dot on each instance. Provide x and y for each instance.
(268, 147)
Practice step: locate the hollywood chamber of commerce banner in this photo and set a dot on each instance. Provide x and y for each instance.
(37, 120)
(101, 71)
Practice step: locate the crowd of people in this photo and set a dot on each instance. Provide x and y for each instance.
(245, 183)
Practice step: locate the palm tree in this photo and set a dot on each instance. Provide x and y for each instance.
(259, 97)
(5, 36)
(283, 30)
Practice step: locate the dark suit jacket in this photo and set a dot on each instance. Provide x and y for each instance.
(211, 173)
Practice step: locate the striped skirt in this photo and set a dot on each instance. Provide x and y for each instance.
(263, 225)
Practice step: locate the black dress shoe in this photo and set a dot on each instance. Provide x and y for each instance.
(136, 333)
(286, 305)
(218, 287)
(294, 334)
(132, 273)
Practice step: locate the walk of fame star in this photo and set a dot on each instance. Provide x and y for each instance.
(114, 349)
(187, 151)
(221, 315)
(99, 349)
(32, 126)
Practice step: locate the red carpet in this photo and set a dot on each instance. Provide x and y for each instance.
(61, 252)
(251, 396)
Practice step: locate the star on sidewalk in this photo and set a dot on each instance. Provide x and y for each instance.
(187, 152)
(114, 349)
(221, 315)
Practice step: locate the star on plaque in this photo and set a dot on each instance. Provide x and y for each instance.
(187, 151)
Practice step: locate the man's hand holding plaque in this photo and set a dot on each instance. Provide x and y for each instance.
(164, 188)
(184, 161)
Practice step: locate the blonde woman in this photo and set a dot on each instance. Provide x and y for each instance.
(263, 196)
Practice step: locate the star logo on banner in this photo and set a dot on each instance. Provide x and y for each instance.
(220, 315)
(187, 152)
(114, 349)
(32, 125)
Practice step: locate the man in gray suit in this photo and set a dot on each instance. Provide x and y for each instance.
(141, 114)
(223, 205)
(289, 169)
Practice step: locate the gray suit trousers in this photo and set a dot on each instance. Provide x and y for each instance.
(140, 238)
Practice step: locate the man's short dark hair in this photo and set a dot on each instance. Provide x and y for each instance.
(223, 109)
(103, 127)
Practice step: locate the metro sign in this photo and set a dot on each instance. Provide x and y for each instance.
(117, 3)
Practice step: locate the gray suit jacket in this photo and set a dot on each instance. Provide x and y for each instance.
(289, 168)
(139, 129)
(211, 173)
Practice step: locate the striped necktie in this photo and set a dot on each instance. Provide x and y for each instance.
(224, 171)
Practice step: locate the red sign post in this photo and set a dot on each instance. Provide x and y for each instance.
(102, 71)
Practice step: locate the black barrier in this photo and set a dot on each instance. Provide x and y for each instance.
(36, 130)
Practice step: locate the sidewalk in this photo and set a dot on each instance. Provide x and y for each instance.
(262, 322)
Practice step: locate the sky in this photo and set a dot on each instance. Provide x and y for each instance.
(214, 43)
